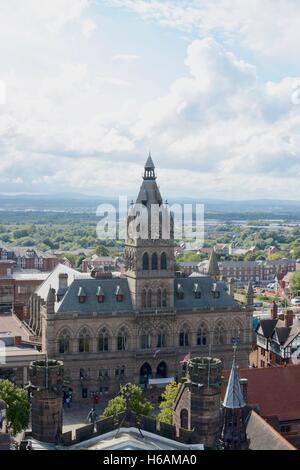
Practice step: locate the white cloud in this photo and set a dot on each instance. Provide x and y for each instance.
(77, 123)
(268, 27)
(126, 57)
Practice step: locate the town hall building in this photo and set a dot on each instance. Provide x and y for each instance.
(141, 325)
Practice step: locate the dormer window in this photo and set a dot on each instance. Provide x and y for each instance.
(119, 294)
(180, 292)
(81, 295)
(197, 291)
(100, 295)
(216, 292)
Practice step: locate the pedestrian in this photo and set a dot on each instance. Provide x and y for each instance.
(68, 401)
(92, 416)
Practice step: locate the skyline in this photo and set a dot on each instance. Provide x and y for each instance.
(92, 86)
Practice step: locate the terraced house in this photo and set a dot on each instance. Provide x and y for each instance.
(142, 324)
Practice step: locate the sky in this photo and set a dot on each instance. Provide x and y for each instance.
(211, 88)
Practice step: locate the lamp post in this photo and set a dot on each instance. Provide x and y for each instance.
(4, 436)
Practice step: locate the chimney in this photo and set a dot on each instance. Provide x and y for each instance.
(63, 281)
(274, 310)
(244, 388)
(289, 318)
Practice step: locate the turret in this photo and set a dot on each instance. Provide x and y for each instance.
(213, 267)
(50, 302)
(250, 294)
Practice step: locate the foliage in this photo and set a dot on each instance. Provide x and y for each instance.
(101, 251)
(136, 403)
(168, 397)
(295, 283)
(18, 405)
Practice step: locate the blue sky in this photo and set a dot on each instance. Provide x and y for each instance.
(211, 87)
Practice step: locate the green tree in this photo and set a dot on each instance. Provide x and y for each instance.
(101, 251)
(18, 405)
(136, 403)
(71, 257)
(166, 406)
(295, 283)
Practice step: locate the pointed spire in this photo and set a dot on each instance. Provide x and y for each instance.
(213, 267)
(234, 397)
(149, 173)
(250, 293)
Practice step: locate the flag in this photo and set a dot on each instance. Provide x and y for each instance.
(156, 353)
(186, 358)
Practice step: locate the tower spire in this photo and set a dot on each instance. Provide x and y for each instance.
(234, 411)
(149, 173)
(213, 267)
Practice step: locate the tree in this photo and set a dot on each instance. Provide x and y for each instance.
(295, 283)
(71, 257)
(17, 412)
(136, 402)
(101, 251)
(166, 407)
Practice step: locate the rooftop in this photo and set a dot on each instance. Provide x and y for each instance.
(273, 389)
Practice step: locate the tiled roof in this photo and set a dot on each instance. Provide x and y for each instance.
(262, 436)
(273, 389)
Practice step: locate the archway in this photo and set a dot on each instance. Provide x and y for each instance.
(161, 371)
(184, 419)
(145, 373)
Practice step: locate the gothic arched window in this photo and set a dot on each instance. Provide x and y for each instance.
(236, 332)
(164, 298)
(144, 298)
(202, 335)
(64, 342)
(145, 261)
(84, 341)
(103, 340)
(154, 261)
(161, 339)
(145, 340)
(149, 298)
(184, 336)
(184, 418)
(158, 298)
(163, 261)
(122, 340)
(219, 334)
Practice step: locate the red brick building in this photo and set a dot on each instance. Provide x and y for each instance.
(273, 393)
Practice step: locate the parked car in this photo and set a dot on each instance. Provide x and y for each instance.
(295, 301)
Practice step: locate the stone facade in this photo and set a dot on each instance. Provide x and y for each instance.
(197, 406)
(46, 411)
(114, 330)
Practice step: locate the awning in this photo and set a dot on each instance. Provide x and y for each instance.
(161, 382)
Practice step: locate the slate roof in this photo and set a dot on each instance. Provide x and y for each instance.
(262, 436)
(267, 327)
(233, 397)
(70, 303)
(206, 285)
